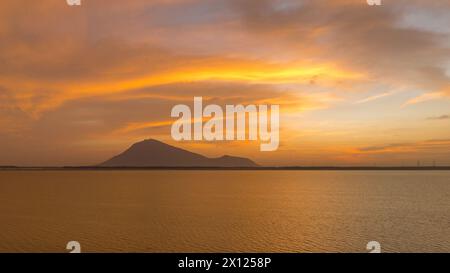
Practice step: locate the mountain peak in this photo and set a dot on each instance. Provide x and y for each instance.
(149, 141)
(154, 153)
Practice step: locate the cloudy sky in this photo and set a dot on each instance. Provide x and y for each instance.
(356, 84)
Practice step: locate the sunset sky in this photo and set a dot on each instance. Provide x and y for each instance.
(356, 84)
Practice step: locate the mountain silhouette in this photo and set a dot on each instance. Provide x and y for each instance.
(154, 153)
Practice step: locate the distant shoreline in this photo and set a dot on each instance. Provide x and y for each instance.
(293, 168)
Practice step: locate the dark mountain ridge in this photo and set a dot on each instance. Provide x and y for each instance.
(154, 153)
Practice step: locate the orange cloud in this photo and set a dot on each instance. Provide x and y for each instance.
(239, 71)
(443, 93)
(407, 147)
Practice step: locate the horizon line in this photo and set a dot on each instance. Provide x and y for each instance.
(225, 168)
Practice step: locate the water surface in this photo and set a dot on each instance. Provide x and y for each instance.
(225, 211)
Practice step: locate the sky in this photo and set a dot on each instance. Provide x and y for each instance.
(356, 84)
